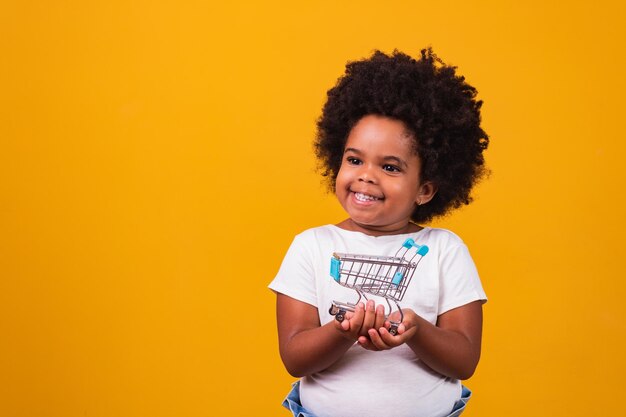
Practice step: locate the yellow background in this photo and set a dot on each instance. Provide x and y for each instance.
(156, 161)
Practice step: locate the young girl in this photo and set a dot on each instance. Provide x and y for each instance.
(400, 142)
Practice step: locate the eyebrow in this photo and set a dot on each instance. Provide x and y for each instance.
(397, 160)
(388, 158)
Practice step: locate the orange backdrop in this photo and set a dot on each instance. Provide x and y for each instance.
(156, 162)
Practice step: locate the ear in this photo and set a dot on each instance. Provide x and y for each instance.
(427, 191)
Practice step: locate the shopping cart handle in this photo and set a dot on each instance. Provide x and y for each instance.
(409, 243)
(422, 249)
(335, 268)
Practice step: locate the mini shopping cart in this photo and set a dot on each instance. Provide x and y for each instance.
(383, 276)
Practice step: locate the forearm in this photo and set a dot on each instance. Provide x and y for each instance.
(446, 351)
(313, 350)
(452, 347)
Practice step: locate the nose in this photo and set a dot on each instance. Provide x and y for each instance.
(366, 174)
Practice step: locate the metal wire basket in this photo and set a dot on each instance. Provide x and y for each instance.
(383, 276)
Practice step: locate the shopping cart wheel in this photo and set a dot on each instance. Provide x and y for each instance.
(338, 312)
(340, 316)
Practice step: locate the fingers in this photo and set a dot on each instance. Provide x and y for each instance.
(380, 317)
(345, 325)
(374, 317)
(366, 343)
(356, 321)
(377, 341)
(395, 316)
(379, 337)
(369, 318)
(368, 325)
(352, 323)
(383, 340)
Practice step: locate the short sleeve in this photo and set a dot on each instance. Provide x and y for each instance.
(459, 281)
(296, 276)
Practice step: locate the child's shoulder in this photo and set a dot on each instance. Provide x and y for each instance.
(317, 231)
(442, 236)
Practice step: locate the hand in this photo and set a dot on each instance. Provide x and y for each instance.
(364, 318)
(381, 339)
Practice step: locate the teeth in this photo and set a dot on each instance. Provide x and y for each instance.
(365, 197)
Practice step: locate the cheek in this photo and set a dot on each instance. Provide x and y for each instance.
(405, 193)
(396, 188)
(339, 184)
(342, 178)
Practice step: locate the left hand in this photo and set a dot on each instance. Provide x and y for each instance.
(381, 339)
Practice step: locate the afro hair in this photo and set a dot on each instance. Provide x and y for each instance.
(436, 105)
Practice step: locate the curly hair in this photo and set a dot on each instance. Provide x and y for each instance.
(436, 105)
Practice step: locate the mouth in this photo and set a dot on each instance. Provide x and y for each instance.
(365, 198)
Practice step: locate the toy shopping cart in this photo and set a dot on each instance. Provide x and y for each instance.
(384, 276)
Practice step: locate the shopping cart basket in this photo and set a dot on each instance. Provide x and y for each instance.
(383, 276)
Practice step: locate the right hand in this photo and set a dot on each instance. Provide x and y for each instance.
(365, 317)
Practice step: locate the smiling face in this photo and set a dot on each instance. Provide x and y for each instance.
(378, 182)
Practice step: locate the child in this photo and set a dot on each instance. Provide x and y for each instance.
(400, 142)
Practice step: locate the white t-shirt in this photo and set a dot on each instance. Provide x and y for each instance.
(387, 383)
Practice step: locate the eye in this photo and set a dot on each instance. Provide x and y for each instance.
(391, 168)
(353, 161)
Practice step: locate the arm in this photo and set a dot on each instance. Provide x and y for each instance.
(452, 347)
(306, 346)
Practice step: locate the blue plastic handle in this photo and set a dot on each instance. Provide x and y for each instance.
(335, 268)
(409, 243)
(397, 278)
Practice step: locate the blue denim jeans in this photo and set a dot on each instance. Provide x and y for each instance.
(292, 402)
